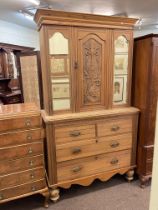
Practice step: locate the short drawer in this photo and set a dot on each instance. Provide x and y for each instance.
(21, 151)
(13, 166)
(21, 190)
(20, 123)
(92, 165)
(114, 126)
(19, 178)
(72, 133)
(85, 148)
(21, 137)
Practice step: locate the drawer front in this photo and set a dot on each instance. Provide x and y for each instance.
(15, 179)
(149, 153)
(87, 148)
(21, 137)
(73, 133)
(149, 165)
(114, 126)
(8, 167)
(89, 166)
(21, 151)
(20, 123)
(22, 190)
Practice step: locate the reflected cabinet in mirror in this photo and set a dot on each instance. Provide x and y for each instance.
(59, 56)
(121, 69)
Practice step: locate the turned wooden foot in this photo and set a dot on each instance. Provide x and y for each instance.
(143, 181)
(54, 194)
(46, 200)
(130, 175)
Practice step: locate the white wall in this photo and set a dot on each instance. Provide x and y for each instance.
(14, 34)
(138, 33)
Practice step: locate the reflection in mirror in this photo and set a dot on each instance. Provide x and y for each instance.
(58, 44)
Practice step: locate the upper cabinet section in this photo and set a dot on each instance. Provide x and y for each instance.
(86, 61)
(122, 67)
(59, 64)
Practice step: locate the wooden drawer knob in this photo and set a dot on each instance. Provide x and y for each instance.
(115, 128)
(77, 169)
(114, 144)
(31, 163)
(75, 133)
(32, 176)
(1, 197)
(114, 161)
(29, 137)
(28, 123)
(33, 188)
(30, 151)
(76, 150)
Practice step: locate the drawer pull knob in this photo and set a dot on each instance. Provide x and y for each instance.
(1, 197)
(30, 151)
(114, 161)
(31, 163)
(28, 123)
(76, 169)
(32, 176)
(115, 128)
(75, 133)
(114, 144)
(76, 150)
(29, 137)
(33, 188)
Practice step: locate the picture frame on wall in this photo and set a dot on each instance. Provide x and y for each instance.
(121, 64)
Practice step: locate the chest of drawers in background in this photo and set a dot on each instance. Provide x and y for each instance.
(22, 169)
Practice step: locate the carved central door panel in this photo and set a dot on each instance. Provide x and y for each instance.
(92, 69)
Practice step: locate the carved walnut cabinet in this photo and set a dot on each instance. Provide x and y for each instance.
(86, 69)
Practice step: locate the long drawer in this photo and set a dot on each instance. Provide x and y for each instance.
(21, 137)
(20, 123)
(8, 167)
(73, 133)
(114, 126)
(21, 151)
(88, 166)
(22, 189)
(14, 179)
(91, 147)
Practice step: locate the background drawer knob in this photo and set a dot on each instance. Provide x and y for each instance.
(29, 137)
(77, 169)
(114, 161)
(30, 151)
(28, 123)
(33, 188)
(114, 144)
(115, 128)
(76, 150)
(75, 133)
(31, 163)
(1, 197)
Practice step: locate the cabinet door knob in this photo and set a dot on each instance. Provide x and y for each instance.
(75, 133)
(30, 151)
(33, 188)
(77, 169)
(31, 163)
(115, 128)
(28, 123)
(114, 144)
(1, 197)
(114, 161)
(76, 150)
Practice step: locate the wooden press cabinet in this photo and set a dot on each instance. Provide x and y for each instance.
(91, 127)
(22, 168)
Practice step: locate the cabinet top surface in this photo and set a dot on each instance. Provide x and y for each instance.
(18, 109)
(48, 16)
